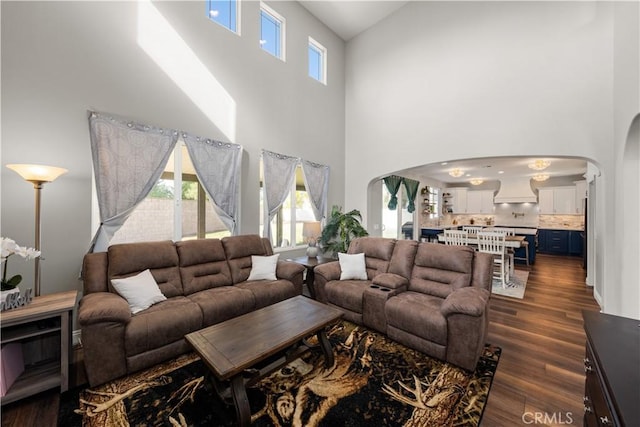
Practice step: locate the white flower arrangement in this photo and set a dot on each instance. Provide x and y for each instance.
(8, 248)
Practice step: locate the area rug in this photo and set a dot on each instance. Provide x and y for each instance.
(516, 286)
(374, 382)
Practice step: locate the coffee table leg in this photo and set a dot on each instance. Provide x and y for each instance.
(241, 400)
(326, 348)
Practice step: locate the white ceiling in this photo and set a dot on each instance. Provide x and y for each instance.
(348, 18)
(489, 169)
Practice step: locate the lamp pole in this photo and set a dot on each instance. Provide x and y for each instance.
(37, 175)
(37, 186)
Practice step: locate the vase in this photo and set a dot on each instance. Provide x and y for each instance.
(312, 251)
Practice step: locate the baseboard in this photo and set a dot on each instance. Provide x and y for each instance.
(597, 297)
(76, 338)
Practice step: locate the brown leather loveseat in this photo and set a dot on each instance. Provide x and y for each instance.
(428, 296)
(204, 281)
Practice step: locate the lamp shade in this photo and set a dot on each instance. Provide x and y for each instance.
(311, 229)
(37, 173)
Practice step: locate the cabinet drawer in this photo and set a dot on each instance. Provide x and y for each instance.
(596, 409)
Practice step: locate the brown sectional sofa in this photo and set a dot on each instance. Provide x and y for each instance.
(205, 282)
(428, 296)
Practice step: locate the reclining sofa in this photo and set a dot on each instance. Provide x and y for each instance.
(427, 296)
(204, 281)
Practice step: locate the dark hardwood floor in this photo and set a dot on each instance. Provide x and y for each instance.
(540, 377)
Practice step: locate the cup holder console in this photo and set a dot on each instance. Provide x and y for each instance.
(380, 287)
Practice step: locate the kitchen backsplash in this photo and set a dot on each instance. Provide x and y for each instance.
(516, 215)
(574, 222)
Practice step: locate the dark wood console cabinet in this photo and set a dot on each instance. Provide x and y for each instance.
(612, 370)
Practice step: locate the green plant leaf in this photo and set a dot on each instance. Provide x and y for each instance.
(12, 283)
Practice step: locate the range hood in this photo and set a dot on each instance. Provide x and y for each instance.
(515, 190)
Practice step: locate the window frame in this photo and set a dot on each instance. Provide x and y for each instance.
(178, 176)
(322, 51)
(275, 16)
(278, 222)
(235, 3)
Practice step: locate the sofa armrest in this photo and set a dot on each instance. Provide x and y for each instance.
(323, 274)
(290, 270)
(100, 307)
(391, 281)
(329, 271)
(470, 301)
(103, 317)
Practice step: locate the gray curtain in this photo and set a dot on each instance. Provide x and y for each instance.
(392, 183)
(218, 165)
(128, 159)
(412, 190)
(316, 180)
(279, 171)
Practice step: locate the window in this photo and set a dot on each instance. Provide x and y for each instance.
(317, 61)
(286, 227)
(398, 223)
(167, 214)
(224, 13)
(272, 31)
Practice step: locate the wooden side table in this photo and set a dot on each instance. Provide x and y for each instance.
(310, 264)
(47, 318)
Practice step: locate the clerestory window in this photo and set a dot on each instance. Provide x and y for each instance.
(317, 61)
(272, 32)
(225, 13)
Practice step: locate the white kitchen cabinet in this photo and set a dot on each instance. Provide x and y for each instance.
(458, 200)
(581, 194)
(557, 201)
(480, 202)
(545, 201)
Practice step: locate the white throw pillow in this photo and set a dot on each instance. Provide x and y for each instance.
(141, 291)
(352, 267)
(263, 267)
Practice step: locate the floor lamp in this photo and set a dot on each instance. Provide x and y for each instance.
(38, 175)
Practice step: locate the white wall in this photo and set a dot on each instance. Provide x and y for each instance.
(60, 59)
(442, 81)
(625, 298)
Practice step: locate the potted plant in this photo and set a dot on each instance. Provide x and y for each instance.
(8, 247)
(340, 229)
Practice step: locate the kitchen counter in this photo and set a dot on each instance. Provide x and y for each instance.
(440, 227)
(522, 231)
(563, 228)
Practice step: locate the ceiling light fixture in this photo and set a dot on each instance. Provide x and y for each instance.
(476, 181)
(540, 177)
(456, 173)
(539, 164)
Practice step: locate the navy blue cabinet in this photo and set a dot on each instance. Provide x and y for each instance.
(542, 241)
(560, 242)
(575, 242)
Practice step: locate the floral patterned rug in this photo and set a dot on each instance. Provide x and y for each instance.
(374, 381)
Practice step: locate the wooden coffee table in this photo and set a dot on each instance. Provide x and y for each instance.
(236, 345)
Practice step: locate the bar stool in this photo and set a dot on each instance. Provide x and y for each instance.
(456, 238)
(525, 258)
(511, 252)
(493, 243)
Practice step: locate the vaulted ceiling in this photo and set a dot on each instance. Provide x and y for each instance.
(349, 18)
